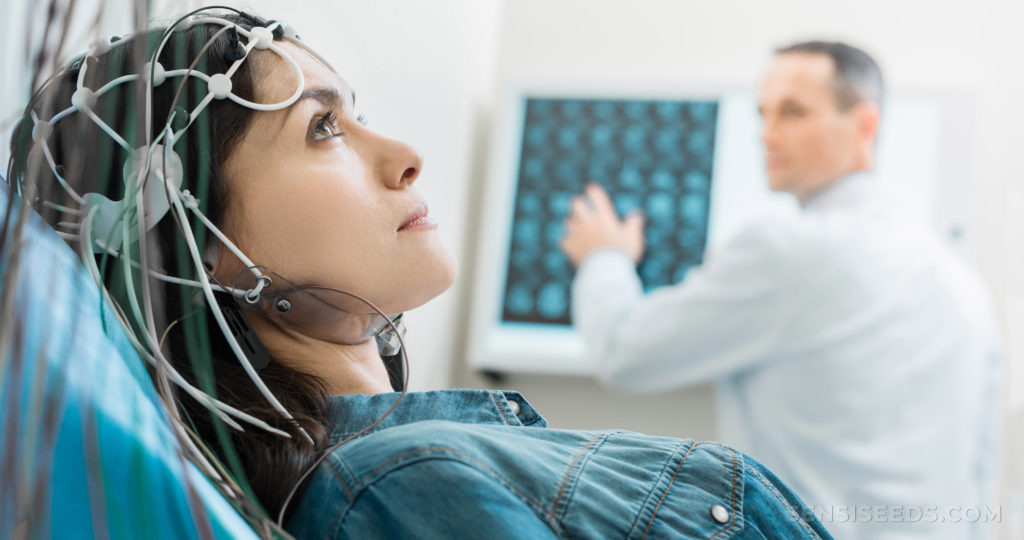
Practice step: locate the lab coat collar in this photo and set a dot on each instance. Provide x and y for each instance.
(859, 188)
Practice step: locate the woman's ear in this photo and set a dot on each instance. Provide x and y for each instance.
(211, 256)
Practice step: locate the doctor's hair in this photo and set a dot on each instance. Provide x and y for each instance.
(262, 465)
(857, 78)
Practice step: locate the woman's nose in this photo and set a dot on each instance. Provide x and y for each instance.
(400, 163)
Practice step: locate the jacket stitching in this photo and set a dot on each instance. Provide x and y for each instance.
(771, 487)
(732, 503)
(665, 468)
(569, 473)
(667, 488)
(501, 409)
(339, 518)
(340, 481)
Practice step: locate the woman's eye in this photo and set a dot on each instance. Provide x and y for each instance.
(325, 127)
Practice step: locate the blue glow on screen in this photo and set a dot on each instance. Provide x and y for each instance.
(653, 155)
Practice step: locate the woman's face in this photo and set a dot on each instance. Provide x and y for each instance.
(320, 199)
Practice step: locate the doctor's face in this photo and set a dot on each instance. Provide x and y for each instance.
(808, 140)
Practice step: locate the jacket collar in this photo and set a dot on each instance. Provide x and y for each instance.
(352, 413)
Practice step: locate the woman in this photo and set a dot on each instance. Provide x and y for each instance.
(259, 265)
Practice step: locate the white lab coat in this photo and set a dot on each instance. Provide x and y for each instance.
(851, 353)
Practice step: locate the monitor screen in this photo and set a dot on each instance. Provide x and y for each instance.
(650, 155)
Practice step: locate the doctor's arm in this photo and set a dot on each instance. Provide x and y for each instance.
(729, 314)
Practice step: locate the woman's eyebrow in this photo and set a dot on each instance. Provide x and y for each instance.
(327, 96)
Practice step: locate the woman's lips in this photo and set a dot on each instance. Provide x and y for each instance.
(418, 219)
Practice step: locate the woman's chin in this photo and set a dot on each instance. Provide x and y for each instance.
(433, 282)
(441, 281)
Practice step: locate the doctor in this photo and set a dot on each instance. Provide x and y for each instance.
(851, 352)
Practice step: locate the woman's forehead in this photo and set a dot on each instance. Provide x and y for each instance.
(275, 78)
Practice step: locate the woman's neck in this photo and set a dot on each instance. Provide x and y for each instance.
(344, 369)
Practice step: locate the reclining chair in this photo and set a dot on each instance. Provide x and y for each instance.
(86, 447)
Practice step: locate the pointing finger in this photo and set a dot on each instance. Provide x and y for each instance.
(599, 197)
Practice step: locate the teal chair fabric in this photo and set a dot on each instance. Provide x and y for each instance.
(87, 448)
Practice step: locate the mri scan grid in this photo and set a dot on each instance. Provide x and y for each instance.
(651, 155)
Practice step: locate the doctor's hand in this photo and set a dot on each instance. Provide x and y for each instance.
(595, 225)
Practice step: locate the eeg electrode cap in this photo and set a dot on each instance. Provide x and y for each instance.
(41, 130)
(83, 99)
(159, 75)
(219, 86)
(262, 35)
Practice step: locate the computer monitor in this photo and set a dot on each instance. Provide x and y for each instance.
(650, 155)
(692, 162)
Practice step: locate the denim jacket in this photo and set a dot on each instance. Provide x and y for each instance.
(482, 464)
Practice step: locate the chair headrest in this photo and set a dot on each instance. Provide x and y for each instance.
(92, 438)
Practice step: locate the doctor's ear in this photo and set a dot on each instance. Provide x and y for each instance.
(868, 116)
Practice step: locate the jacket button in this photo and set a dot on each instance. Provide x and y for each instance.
(514, 406)
(720, 514)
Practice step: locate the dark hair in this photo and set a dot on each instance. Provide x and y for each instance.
(268, 464)
(858, 77)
